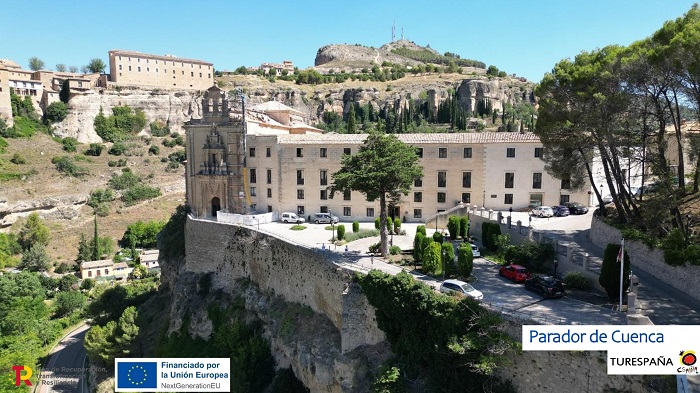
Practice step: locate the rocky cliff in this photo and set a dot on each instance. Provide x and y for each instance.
(358, 56)
(172, 107)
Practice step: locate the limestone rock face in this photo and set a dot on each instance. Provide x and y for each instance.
(172, 107)
(352, 56)
(59, 208)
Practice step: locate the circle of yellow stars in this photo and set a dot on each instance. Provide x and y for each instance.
(143, 370)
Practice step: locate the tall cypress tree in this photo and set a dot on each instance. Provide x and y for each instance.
(96, 243)
(352, 125)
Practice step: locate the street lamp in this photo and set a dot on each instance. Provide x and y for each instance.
(687, 229)
(332, 226)
(510, 212)
(600, 211)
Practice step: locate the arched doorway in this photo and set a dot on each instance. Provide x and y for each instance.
(215, 206)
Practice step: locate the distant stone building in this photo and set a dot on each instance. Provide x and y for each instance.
(149, 258)
(277, 69)
(97, 269)
(169, 72)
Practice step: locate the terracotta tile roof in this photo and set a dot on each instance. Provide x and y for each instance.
(156, 57)
(121, 265)
(451, 138)
(95, 264)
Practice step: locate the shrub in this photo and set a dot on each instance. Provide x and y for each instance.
(376, 223)
(534, 256)
(437, 236)
(95, 149)
(431, 259)
(418, 246)
(674, 246)
(100, 196)
(576, 280)
(126, 180)
(139, 193)
(363, 233)
(159, 128)
(465, 260)
(297, 227)
(463, 226)
(389, 224)
(453, 226)
(341, 232)
(3, 143)
(153, 149)
(610, 272)
(119, 163)
(375, 248)
(421, 229)
(394, 250)
(397, 225)
(179, 141)
(178, 156)
(489, 232)
(448, 257)
(118, 125)
(18, 159)
(117, 149)
(355, 226)
(168, 143)
(70, 144)
(67, 165)
(56, 111)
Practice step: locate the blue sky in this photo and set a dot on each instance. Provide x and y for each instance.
(522, 37)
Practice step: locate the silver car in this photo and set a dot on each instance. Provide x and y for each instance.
(461, 287)
(324, 218)
(543, 211)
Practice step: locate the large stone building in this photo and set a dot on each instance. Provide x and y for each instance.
(140, 69)
(235, 168)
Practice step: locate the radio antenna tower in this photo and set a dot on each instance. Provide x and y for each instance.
(402, 34)
(393, 32)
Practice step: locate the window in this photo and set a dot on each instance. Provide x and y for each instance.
(565, 184)
(324, 194)
(300, 177)
(466, 179)
(538, 152)
(508, 199)
(323, 152)
(441, 197)
(442, 152)
(300, 194)
(269, 192)
(418, 182)
(269, 208)
(300, 152)
(510, 152)
(129, 68)
(466, 197)
(253, 191)
(346, 195)
(442, 179)
(510, 179)
(89, 273)
(370, 212)
(417, 213)
(347, 211)
(200, 74)
(300, 210)
(324, 209)
(252, 152)
(268, 152)
(346, 151)
(139, 69)
(269, 176)
(120, 67)
(419, 152)
(323, 177)
(191, 73)
(417, 196)
(563, 199)
(467, 152)
(253, 176)
(537, 180)
(148, 69)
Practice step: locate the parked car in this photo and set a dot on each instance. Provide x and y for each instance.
(324, 218)
(543, 211)
(291, 217)
(476, 253)
(546, 286)
(560, 211)
(576, 208)
(461, 287)
(515, 273)
(607, 199)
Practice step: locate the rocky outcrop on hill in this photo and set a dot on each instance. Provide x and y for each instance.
(60, 208)
(357, 56)
(172, 107)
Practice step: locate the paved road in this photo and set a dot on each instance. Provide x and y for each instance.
(65, 372)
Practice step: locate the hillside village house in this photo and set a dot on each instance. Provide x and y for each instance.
(237, 169)
(149, 258)
(96, 269)
(170, 72)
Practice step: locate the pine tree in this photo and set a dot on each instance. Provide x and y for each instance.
(84, 252)
(96, 244)
(352, 125)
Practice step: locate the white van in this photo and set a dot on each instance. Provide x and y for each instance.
(291, 217)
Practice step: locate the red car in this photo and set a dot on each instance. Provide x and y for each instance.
(516, 273)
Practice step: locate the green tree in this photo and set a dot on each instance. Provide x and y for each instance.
(463, 227)
(98, 343)
(61, 67)
(67, 302)
(341, 232)
(127, 331)
(417, 247)
(84, 250)
(36, 64)
(447, 257)
(465, 260)
(383, 168)
(351, 121)
(96, 66)
(432, 258)
(64, 94)
(492, 70)
(453, 226)
(33, 232)
(610, 272)
(56, 111)
(35, 259)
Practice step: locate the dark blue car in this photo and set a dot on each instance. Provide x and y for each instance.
(560, 211)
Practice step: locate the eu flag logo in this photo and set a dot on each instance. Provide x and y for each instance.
(137, 375)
